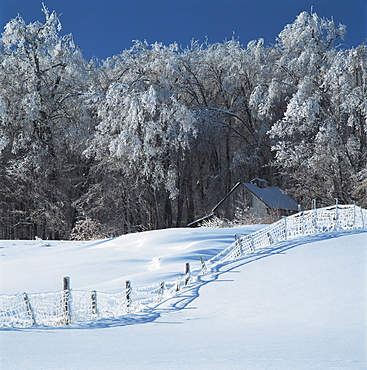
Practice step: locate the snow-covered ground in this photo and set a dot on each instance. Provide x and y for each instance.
(299, 305)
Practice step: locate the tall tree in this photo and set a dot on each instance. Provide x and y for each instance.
(142, 134)
(42, 124)
(320, 142)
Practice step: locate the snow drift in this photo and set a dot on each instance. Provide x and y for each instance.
(298, 304)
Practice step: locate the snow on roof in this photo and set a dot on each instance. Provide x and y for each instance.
(273, 197)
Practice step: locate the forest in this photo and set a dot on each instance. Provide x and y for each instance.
(153, 137)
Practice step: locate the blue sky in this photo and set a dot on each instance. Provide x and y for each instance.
(104, 28)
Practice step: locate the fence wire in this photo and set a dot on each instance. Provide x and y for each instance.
(76, 307)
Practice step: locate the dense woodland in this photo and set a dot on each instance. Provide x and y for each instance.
(155, 136)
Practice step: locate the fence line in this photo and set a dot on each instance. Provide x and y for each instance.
(75, 307)
(321, 220)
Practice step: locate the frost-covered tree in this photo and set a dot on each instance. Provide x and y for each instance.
(154, 136)
(42, 77)
(218, 81)
(320, 142)
(143, 134)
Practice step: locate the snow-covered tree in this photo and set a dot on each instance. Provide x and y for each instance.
(154, 136)
(320, 142)
(42, 77)
(143, 133)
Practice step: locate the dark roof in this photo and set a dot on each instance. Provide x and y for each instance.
(273, 197)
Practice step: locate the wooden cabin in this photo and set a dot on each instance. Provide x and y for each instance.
(260, 199)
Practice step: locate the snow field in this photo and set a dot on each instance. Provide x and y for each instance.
(300, 304)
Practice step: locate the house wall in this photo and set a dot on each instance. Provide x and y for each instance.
(258, 208)
(240, 201)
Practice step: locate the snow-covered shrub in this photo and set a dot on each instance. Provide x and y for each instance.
(88, 229)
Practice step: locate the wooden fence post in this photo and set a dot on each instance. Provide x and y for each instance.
(93, 297)
(285, 227)
(314, 216)
(187, 273)
(178, 283)
(336, 214)
(66, 300)
(238, 245)
(128, 299)
(252, 244)
(160, 291)
(270, 237)
(203, 267)
(29, 308)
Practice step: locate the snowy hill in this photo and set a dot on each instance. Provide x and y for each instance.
(301, 305)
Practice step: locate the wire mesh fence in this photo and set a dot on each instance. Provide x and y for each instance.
(68, 306)
(315, 221)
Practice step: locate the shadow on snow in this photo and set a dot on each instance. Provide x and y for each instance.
(189, 293)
